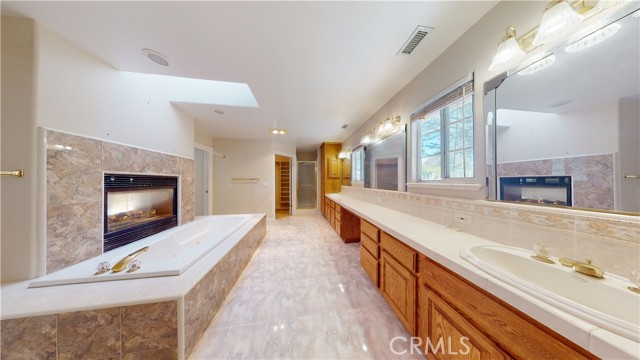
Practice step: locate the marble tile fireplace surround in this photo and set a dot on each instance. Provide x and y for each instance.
(74, 186)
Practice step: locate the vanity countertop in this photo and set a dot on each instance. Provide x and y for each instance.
(443, 244)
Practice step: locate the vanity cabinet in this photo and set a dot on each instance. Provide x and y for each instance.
(450, 308)
(370, 250)
(346, 224)
(398, 279)
(330, 170)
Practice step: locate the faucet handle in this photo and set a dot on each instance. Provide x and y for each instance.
(542, 250)
(634, 277)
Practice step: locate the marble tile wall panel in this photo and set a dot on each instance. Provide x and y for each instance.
(613, 242)
(204, 300)
(139, 332)
(75, 165)
(29, 338)
(92, 334)
(149, 327)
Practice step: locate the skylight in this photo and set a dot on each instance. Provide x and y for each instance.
(198, 91)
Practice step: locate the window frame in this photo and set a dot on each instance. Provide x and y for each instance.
(459, 92)
(357, 164)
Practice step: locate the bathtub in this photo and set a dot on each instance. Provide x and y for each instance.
(170, 252)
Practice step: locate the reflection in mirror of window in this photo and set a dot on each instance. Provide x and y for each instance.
(357, 163)
(444, 129)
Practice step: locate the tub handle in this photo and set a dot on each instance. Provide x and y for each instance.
(122, 264)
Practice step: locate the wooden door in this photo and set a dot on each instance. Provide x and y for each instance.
(398, 286)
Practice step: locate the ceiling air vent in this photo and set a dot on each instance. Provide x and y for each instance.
(418, 34)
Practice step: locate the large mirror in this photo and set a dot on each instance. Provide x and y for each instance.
(385, 165)
(565, 130)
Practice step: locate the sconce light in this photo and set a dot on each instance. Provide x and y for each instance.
(381, 130)
(509, 51)
(559, 18)
(344, 154)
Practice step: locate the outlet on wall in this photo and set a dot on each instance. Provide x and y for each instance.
(462, 218)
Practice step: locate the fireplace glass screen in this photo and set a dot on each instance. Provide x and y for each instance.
(551, 190)
(131, 208)
(137, 206)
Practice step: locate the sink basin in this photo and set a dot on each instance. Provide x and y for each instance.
(606, 303)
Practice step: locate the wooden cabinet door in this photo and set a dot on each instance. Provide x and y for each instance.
(398, 286)
(449, 336)
(334, 168)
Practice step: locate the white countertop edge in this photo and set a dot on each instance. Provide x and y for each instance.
(564, 324)
(18, 300)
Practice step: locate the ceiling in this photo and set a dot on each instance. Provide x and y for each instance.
(312, 66)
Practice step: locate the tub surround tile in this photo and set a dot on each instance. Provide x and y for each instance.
(162, 354)
(149, 327)
(204, 300)
(29, 338)
(74, 191)
(90, 334)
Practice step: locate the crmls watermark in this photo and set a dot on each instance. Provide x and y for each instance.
(437, 348)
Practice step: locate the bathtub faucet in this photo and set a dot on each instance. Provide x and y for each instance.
(122, 264)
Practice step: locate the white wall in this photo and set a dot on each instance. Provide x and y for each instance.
(79, 94)
(21, 253)
(472, 52)
(49, 82)
(247, 159)
(525, 135)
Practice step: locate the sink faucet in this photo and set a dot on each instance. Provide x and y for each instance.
(585, 268)
(122, 264)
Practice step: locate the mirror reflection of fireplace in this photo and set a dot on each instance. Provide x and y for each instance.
(550, 190)
(137, 206)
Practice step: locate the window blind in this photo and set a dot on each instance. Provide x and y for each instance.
(455, 94)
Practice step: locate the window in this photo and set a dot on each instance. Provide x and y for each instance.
(357, 163)
(444, 133)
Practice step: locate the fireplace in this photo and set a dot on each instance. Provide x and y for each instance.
(137, 206)
(551, 190)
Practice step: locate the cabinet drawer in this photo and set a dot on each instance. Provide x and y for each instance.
(398, 286)
(370, 230)
(401, 252)
(369, 264)
(370, 245)
(336, 226)
(333, 205)
(338, 209)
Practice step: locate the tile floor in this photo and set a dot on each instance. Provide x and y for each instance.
(304, 296)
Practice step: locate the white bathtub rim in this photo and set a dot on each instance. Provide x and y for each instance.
(20, 301)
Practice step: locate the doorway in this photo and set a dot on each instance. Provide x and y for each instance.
(306, 185)
(202, 158)
(283, 186)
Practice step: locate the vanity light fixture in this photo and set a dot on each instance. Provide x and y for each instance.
(278, 131)
(594, 38)
(558, 19)
(509, 51)
(344, 154)
(381, 130)
(156, 57)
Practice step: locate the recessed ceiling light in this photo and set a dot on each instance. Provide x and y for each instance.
(156, 57)
(220, 112)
